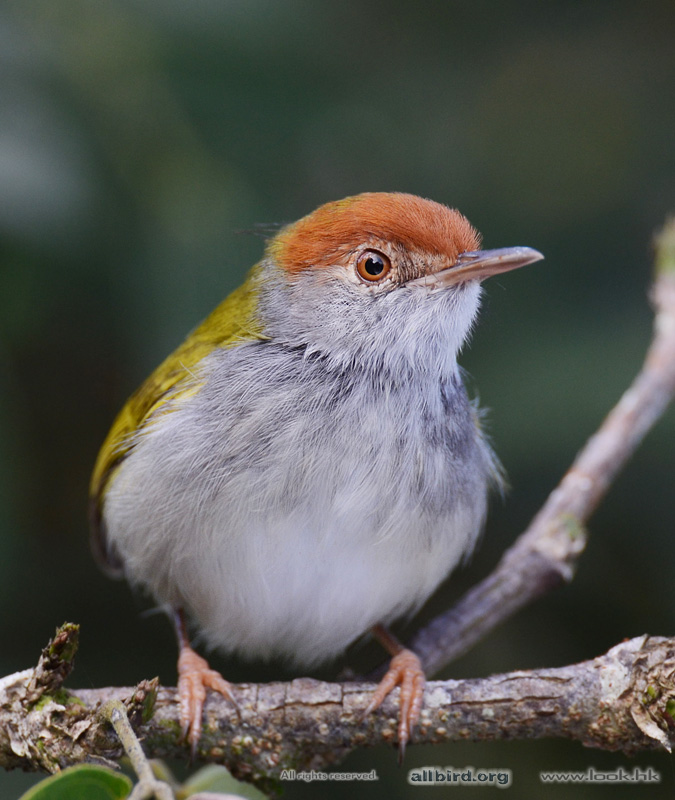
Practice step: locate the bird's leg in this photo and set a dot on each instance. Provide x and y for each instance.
(405, 670)
(194, 678)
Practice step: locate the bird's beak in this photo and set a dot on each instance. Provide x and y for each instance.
(477, 265)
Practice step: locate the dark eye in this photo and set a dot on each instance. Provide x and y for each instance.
(373, 266)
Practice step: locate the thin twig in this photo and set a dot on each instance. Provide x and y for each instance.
(148, 786)
(546, 553)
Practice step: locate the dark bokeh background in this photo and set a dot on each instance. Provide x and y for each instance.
(138, 139)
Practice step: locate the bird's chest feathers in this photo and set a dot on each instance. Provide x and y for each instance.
(277, 441)
(307, 491)
(329, 446)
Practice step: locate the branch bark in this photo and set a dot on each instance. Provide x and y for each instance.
(623, 700)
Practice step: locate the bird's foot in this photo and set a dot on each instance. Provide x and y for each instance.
(405, 670)
(194, 678)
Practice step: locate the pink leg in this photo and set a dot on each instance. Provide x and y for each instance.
(405, 670)
(194, 678)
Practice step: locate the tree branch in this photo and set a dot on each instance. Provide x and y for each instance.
(623, 700)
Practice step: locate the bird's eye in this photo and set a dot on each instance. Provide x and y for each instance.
(373, 266)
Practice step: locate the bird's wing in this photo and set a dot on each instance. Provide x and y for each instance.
(233, 322)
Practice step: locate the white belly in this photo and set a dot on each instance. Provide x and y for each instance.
(296, 545)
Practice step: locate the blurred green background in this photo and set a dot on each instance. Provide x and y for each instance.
(139, 139)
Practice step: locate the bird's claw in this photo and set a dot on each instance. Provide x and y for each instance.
(405, 670)
(194, 678)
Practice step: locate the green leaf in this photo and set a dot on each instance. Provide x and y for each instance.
(82, 782)
(215, 778)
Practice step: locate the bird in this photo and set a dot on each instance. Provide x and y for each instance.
(307, 466)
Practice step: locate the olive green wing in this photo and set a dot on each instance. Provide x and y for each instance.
(233, 322)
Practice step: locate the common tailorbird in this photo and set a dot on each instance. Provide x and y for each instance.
(307, 466)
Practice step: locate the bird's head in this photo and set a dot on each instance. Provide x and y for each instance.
(382, 278)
